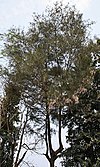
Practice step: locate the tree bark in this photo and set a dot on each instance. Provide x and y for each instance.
(52, 163)
(52, 155)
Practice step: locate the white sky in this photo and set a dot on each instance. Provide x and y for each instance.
(19, 14)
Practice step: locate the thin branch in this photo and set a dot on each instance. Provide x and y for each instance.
(21, 158)
(21, 139)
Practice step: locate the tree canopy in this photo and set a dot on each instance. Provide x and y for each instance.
(46, 66)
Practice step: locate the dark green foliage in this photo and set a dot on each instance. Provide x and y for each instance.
(9, 130)
(83, 121)
(98, 41)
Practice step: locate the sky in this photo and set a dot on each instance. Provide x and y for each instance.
(18, 13)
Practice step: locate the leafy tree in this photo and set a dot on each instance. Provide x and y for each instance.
(49, 62)
(12, 126)
(83, 120)
(8, 131)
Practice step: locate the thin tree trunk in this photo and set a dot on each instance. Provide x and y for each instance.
(51, 163)
(52, 155)
(17, 160)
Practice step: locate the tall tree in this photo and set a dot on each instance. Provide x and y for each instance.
(49, 62)
(83, 122)
(13, 121)
(8, 131)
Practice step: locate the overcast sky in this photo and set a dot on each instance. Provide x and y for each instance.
(19, 13)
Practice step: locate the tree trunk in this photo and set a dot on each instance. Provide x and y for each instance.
(52, 163)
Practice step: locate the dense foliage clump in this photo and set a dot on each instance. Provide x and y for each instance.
(83, 122)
